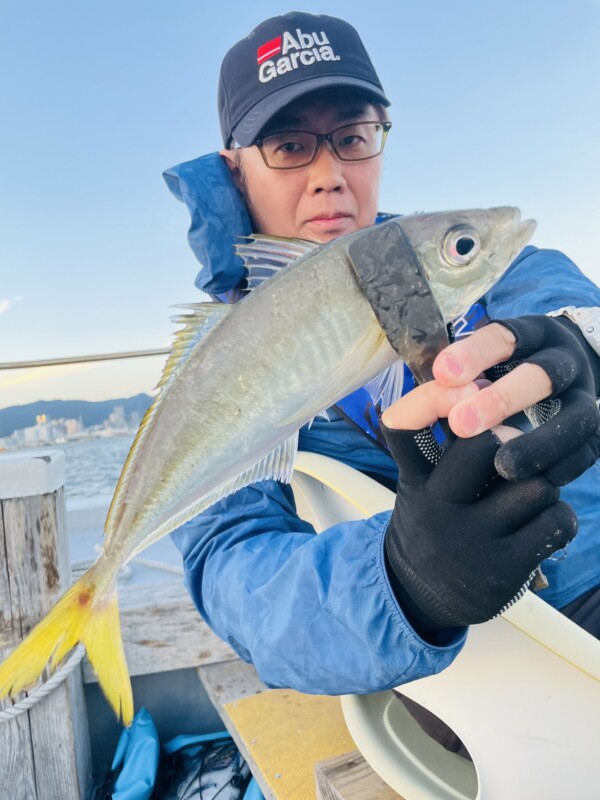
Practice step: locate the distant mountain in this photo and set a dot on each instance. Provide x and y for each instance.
(91, 413)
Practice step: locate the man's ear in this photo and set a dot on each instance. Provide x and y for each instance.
(231, 159)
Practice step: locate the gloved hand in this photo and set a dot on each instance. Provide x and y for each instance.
(567, 441)
(462, 541)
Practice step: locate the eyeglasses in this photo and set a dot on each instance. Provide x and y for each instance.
(292, 149)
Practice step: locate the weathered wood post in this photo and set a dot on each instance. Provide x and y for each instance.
(45, 752)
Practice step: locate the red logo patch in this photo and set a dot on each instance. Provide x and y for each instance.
(268, 49)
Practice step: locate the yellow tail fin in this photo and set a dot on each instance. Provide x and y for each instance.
(84, 614)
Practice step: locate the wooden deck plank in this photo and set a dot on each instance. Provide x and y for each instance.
(349, 777)
(230, 681)
(284, 735)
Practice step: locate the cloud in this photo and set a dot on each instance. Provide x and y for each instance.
(8, 302)
(19, 377)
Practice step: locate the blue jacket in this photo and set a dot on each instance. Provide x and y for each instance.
(316, 613)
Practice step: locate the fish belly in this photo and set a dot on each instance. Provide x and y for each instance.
(296, 345)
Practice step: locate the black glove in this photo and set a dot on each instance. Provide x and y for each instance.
(567, 441)
(463, 542)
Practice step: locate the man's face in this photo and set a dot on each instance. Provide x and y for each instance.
(321, 201)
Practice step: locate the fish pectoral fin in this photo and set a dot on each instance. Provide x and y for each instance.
(386, 387)
(264, 256)
(79, 616)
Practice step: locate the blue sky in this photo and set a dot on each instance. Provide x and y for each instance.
(493, 102)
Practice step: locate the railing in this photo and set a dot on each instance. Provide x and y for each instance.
(51, 362)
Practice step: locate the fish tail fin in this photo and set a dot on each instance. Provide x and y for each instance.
(88, 613)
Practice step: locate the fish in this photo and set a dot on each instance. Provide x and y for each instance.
(241, 380)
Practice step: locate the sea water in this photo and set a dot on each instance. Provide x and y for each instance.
(92, 470)
(93, 466)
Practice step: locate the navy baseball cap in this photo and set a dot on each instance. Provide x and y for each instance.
(284, 58)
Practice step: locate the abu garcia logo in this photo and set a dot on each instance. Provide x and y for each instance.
(286, 53)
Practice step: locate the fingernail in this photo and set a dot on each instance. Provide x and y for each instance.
(470, 420)
(453, 365)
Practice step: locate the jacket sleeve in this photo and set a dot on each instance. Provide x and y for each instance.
(312, 612)
(539, 281)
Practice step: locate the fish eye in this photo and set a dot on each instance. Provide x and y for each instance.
(461, 246)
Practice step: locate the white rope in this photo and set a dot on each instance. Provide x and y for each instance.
(81, 566)
(44, 689)
(147, 562)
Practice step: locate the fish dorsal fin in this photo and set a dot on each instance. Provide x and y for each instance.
(202, 319)
(264, 256)
(278, 465)
(386, 387)
(196, 325)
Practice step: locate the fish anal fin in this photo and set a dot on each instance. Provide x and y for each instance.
(278, 465)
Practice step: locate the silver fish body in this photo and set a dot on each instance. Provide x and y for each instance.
(298, 343)
(294, 346)
(240, 383)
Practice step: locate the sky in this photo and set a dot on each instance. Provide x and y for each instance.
(494, 102)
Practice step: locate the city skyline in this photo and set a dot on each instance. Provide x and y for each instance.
(492, 104)
(59, 431)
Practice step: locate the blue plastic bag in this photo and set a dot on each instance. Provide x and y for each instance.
(137, 757)
(188, 766)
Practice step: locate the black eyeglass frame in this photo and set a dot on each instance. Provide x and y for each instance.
(327, 137)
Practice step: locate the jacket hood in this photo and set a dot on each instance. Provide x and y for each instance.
(218, 218)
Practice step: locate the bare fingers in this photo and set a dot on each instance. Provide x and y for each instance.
(425, 405)
(517, 390)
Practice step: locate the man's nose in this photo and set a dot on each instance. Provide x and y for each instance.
(326, 171)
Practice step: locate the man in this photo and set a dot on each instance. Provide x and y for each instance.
(361, 608)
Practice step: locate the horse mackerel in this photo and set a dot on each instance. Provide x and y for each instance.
(240, 382)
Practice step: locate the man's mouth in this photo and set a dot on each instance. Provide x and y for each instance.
(329, 220)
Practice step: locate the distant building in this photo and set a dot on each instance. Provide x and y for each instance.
(117, 418)
(73, 427)
(44, 432)
(49, 431)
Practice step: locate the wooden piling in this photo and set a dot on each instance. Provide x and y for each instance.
(45, 752)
